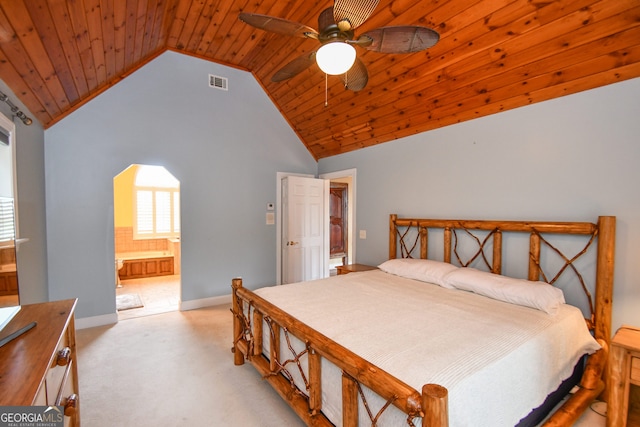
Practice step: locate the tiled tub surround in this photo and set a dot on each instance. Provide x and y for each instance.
(124, 242)
(128, 256)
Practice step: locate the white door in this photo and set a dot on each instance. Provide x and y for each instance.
(303, 229)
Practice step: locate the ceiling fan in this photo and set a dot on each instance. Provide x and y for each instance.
(336, 54)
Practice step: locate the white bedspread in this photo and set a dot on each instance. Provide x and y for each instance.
(498, 361)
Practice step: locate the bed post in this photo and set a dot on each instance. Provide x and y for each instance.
(238, 357)
(392, 236)
(604, 276)
(435, 406)
(595, 379)
(604, 288)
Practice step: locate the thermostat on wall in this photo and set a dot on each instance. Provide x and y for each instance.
(271, 218)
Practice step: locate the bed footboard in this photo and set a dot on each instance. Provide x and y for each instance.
(251, 311)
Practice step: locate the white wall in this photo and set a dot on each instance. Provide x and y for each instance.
(572, 158)
(224, 147)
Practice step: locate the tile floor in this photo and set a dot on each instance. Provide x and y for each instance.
(158, 294)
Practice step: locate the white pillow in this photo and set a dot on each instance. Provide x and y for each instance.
(538, 295)
(424, 270)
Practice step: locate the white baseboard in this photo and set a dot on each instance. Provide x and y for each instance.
(90, 322)
(109, 319)
(204, 302)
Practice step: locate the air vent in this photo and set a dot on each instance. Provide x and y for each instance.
(218, 82)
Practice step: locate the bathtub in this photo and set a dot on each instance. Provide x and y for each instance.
(8, 280)
(136, 265)
(8, 268)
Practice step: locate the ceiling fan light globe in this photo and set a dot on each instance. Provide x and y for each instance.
(335, 58)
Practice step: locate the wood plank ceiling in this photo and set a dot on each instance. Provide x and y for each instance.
(493, 55)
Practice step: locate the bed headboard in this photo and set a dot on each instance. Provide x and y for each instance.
(410, 238)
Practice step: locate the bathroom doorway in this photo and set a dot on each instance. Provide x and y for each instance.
(342, 207)
(146, 241)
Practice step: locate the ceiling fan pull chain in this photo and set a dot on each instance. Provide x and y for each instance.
(326, 90)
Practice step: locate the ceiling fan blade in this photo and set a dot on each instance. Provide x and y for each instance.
(355, 12)
(294, 67)
(357, 77)
(401, 39)
(325, 19)
(277, 25)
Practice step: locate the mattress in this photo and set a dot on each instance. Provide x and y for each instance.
(497, 360)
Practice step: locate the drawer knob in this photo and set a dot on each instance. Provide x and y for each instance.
(71, 405)
(64, 356)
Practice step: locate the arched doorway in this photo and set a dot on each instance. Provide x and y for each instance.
(147, 241)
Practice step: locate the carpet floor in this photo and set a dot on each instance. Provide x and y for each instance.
(172, 369)
(176, 369)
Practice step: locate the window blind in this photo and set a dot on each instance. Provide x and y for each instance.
(7, 220)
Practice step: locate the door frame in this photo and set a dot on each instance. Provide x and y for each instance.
(351, 242)
(10, 130)
(177, 259)
(338, 186)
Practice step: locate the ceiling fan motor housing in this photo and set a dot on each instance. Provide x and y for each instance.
(329, 30)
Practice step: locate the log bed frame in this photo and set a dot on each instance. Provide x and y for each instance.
(431, 402)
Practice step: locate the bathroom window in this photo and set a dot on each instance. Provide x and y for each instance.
(156, 203)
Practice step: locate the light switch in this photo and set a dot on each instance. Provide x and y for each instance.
(363, 234)
(271, 218)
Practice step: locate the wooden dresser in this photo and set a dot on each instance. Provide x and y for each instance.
(623, 408)
(40, 366)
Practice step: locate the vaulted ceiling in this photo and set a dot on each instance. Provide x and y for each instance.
(493, 55)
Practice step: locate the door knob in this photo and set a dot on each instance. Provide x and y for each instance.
(292, 243)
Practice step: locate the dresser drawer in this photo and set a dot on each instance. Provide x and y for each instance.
(57, 369)
(68, 398)
(635, 370)
(41, 396)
